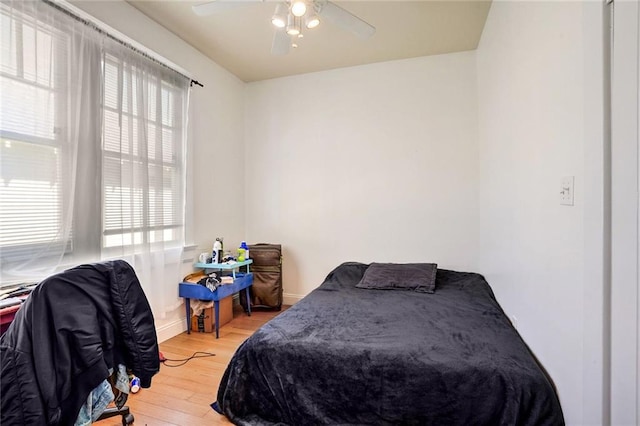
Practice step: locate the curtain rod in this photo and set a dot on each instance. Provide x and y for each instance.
(85, 18)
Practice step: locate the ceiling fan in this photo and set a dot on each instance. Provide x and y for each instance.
(291, 17)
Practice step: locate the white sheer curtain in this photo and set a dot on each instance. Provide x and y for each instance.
(92, 162)
(47, 65)
(144, 113)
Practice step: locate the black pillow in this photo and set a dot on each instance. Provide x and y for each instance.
(420, 277)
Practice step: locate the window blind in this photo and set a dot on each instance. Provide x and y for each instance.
(142, 155)
(32, 153)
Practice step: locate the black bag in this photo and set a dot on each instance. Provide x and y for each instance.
(266, 291)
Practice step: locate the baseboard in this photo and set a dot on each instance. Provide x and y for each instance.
(170, 330)
(291, 299)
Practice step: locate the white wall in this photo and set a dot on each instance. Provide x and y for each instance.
(215, 150)
(370, 163)
(532, 86)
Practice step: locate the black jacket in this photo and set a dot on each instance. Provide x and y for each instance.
(73, 327)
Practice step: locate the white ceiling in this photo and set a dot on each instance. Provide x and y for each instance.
(240, 39)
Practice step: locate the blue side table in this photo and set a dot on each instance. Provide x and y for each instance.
(242, 281)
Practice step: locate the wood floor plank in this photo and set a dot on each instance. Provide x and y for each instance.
(168, 414)
(181, 396)
(185, 406)
(140, 420)
(169, 389)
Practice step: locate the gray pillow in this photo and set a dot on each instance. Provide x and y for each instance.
(420, 277)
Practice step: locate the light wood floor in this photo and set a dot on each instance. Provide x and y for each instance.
(182, 395)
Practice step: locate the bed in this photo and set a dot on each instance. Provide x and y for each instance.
(347, 355)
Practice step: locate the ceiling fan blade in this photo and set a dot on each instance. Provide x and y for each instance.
(212, 7)
(281, 42)
(346, 20)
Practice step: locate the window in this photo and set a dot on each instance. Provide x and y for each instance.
(33, 182)
(142, 156)
(91, 148)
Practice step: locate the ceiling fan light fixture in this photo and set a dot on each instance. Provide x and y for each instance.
(298, 8)
(279, 18)
(311, 20)
(293, 31)
(293, 26)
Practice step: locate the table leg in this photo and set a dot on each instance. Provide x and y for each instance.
(216, 304)
(246, 291)
(187, 304)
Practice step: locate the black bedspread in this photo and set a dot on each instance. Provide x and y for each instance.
(344, 355)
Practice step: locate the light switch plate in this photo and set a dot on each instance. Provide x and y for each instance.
(566, 191)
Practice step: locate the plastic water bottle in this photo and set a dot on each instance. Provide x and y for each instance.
(244, 246)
